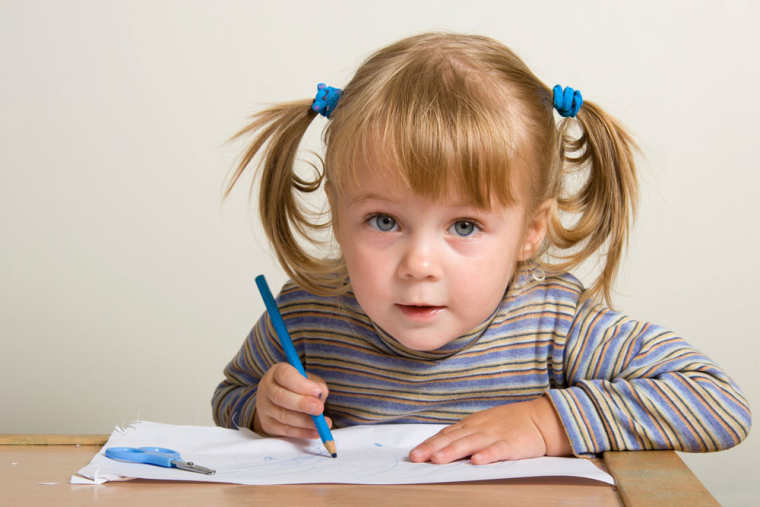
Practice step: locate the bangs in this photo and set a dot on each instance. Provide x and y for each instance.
(443, 130)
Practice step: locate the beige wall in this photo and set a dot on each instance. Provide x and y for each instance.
(126, 286)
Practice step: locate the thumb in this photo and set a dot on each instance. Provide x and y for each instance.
(322, 384)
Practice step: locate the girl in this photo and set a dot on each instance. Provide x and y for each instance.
(445, 173)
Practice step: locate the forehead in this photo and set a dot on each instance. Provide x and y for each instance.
(379, 176)
(469, 151)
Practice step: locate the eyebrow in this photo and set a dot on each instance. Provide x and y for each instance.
(367, 197)
(361, 198)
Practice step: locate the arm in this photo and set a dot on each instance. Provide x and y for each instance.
(262, 392)
(622, 385)
(234, 400)
(633, 385)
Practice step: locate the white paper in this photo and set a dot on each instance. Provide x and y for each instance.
(371, 454)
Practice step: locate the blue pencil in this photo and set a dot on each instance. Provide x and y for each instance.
(290, 353)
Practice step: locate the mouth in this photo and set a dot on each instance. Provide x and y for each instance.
(420, 312)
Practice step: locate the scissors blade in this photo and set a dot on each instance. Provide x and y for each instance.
(192, 467)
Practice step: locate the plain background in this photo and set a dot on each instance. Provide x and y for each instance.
(126, 283)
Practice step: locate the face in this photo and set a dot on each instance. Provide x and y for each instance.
(428, 271)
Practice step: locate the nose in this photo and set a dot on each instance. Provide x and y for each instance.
(419, 260)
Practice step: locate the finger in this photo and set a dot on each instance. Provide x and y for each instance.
(283, 398)
(461, 448)
(290, 378)
(277, 428)
(519, 447)
(450, 429)
(268, 420)
(269, 417)
(440, 440)
(497, 451)
(271, 412)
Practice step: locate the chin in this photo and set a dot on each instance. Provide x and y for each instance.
(422, 344)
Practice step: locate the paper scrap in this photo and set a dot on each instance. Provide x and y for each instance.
(370, 454)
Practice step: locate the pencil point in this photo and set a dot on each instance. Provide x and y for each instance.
(330, 446)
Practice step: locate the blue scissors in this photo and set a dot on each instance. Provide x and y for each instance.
(160, 456)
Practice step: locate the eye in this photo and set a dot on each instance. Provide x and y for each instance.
(382, 222)
(464, 228)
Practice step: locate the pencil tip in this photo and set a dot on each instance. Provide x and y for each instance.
(335, 455)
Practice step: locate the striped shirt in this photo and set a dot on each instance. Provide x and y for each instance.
(616, 383)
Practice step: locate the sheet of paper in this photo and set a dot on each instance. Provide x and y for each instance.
(366, 455)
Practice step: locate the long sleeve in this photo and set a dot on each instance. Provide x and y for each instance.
(629, 385)
(234, 400)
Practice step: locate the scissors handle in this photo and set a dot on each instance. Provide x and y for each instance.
(149, 455)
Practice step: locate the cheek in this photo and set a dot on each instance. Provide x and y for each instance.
(367, 268)
(492, 265)
(492, 278)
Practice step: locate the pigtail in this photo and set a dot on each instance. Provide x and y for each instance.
(605, 202)
(279, 132)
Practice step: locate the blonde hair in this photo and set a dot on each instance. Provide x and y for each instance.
(449, 111)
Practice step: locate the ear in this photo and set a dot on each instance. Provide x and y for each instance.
(535, 230)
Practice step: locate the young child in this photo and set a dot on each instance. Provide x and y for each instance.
(446, 176)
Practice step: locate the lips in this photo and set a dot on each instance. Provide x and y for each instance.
(420, 312)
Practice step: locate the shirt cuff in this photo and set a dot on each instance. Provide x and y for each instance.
(583, 425)
(245, 411)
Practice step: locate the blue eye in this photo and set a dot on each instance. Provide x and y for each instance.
(464, 228)
(382, 223)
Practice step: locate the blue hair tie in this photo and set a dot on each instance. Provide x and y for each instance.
(326, 99)
(567, 102)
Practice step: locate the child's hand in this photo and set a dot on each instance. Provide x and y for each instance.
(515, 431)
(285, 401)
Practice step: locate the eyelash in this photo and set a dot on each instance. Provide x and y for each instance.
(473, 223)
(372, 221)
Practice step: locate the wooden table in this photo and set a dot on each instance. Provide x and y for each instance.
(36, 471)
